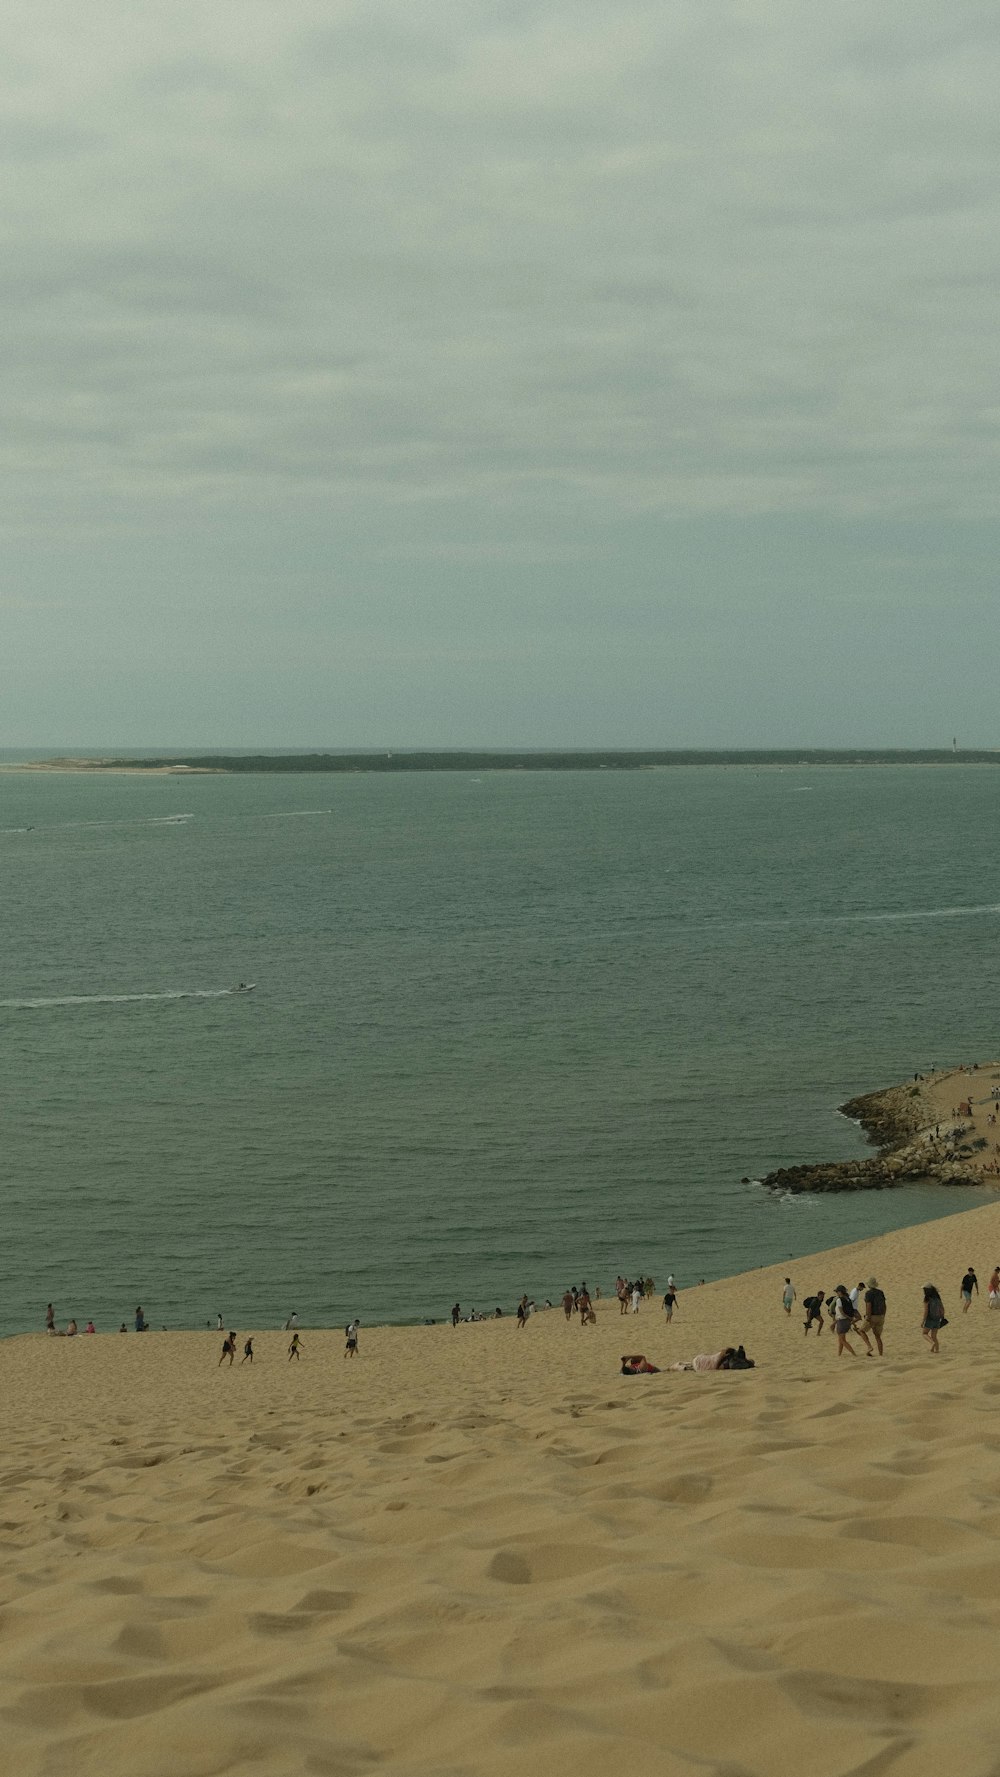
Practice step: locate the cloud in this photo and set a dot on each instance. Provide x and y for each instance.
(716, 255)
(492, 281)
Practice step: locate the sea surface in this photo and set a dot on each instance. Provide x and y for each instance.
(506, 1032)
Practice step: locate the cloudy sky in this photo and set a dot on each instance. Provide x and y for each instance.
(499, 372)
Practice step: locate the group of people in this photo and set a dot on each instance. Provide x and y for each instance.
(861, 1311)
(844, 1308)
(294, 1347)
(579, 1301)
(632, 1294)
(70, 1330)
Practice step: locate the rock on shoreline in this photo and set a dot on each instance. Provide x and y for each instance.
(912, 1144)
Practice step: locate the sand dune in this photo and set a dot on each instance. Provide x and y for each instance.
(481, 1551)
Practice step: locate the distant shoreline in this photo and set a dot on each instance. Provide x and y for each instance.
(200, 764)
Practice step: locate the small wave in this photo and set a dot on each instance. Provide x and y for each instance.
(119, 999)
(292, 814)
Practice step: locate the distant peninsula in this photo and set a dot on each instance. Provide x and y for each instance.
(568, 760)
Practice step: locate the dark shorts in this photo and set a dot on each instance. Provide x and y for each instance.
(843, 1326)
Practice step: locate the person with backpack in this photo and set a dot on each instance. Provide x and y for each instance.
(845, 1317)
(813, 1306)
(874, 1319)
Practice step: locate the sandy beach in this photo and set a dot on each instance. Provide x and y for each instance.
(476, 1549)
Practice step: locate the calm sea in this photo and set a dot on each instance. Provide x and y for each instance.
(506, 1032)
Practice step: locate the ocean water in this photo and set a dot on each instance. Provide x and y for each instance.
(507, 1031)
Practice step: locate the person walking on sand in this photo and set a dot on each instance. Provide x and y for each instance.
(220, 1325)
(587, 1314)
(969, 1283)
(669, 1303)
(636, 1297)
(788, 1295)
(934, 1316)
(623, 1296)
(228, 1350)
(522, 1313)
(294, 1348)
(843, 1320)
(247, 1357)
(456, 1314)
(874, 1319)
(567, 1303)
(351, 1338)
(813, 1306)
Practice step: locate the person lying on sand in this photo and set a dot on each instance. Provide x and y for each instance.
(638, 1365)
(732, 1357)
(716, 1361)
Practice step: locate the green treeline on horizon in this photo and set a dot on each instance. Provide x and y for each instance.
(554, 761)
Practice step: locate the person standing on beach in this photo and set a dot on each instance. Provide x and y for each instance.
(50, 1319)
(140, 1321)
(969, 1283)
(788, 1296)
(247, 1357)
(669, 1302)
(220, 1325)
(522, 1313)
(636, 1297)
(456, 1314)
(623, 1295)
(934, 1316)
(587, 1314)
(994, 1287)
(351, 1338)
(567, 1303)
(294, 1348)
(874, 1319)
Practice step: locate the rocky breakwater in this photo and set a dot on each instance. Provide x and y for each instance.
(911, 1144)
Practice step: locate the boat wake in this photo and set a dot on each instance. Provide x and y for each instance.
(154, 820)
(849, 919)
(123, 999)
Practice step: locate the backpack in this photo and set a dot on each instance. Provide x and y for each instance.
(875, 1301)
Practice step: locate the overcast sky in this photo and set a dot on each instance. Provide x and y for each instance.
(499, 372)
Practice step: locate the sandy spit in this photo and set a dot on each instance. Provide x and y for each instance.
(483, 1551)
